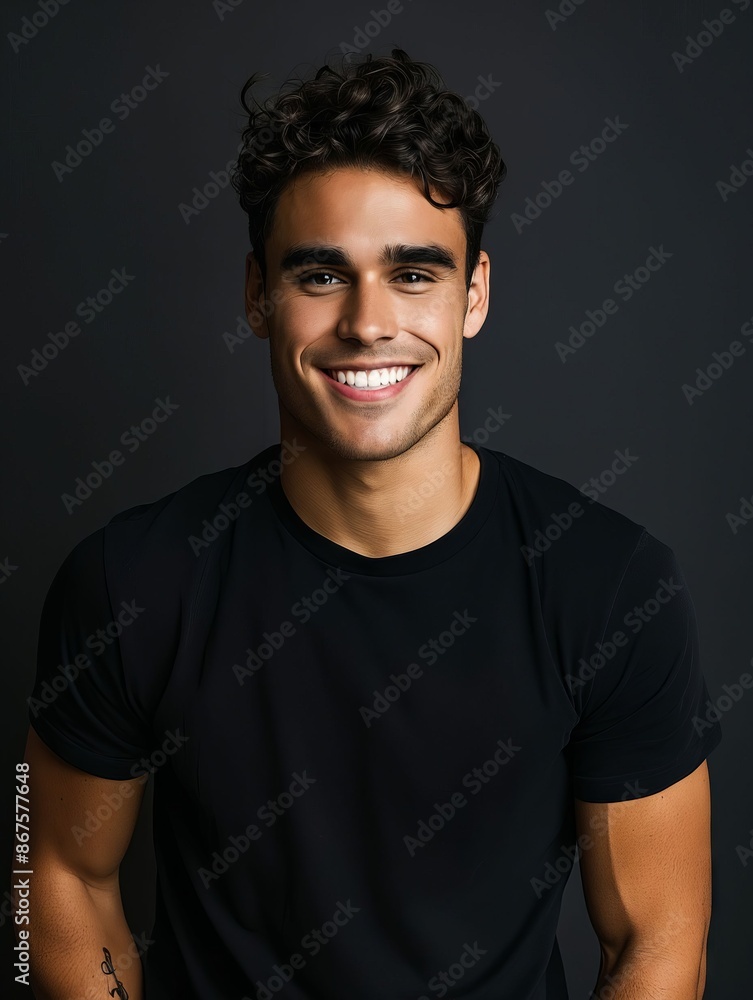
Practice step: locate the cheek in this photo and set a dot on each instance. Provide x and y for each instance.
(438, 320)
(307, 317)
(435, 314)
(295, 323)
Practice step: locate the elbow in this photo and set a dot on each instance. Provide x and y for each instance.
(669, 959)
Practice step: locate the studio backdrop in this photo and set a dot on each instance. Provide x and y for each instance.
(617, 354)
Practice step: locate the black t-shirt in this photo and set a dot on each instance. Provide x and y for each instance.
(364, 768)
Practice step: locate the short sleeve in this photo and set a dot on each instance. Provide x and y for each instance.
(645, 715)
(80, 704)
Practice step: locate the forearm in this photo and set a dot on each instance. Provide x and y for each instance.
(70, 924)
(642, 976)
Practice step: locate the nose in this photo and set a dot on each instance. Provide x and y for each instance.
(368, 314)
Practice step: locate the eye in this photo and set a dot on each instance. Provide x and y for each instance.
(306, 279)
(421, 275)
(310, 278)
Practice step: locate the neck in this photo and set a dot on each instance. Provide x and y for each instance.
(382, 507)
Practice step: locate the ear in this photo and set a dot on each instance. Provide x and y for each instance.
(254, 296)
(478, 297)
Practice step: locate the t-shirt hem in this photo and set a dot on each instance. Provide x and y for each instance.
(116, 769)
(642, 784)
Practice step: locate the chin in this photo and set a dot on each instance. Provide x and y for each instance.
(353, 450)
(366, 448)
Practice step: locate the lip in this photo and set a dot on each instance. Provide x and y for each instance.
(368, 395)
(370, 368)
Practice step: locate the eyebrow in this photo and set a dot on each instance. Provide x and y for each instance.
(433, 254)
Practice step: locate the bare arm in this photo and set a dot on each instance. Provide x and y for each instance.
(647, 884)
(74, 895)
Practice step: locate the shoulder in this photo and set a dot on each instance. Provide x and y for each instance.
(163, 526)
(545, 495)
(157, 548)
(572, 541)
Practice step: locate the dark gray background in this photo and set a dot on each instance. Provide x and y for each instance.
(655, 185)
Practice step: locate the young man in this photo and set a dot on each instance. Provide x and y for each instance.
(390, 686)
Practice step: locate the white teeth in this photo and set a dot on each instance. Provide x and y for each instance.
(373, 379)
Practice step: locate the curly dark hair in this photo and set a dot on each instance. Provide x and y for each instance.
(391, 113)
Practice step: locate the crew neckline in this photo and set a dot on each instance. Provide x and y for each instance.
(400, 563)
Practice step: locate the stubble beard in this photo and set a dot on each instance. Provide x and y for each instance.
(435, 406)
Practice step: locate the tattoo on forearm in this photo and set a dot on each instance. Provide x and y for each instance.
(109, 970)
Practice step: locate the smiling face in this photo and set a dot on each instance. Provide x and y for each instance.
(363, 272)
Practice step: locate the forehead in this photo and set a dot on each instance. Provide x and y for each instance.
(365, 208)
